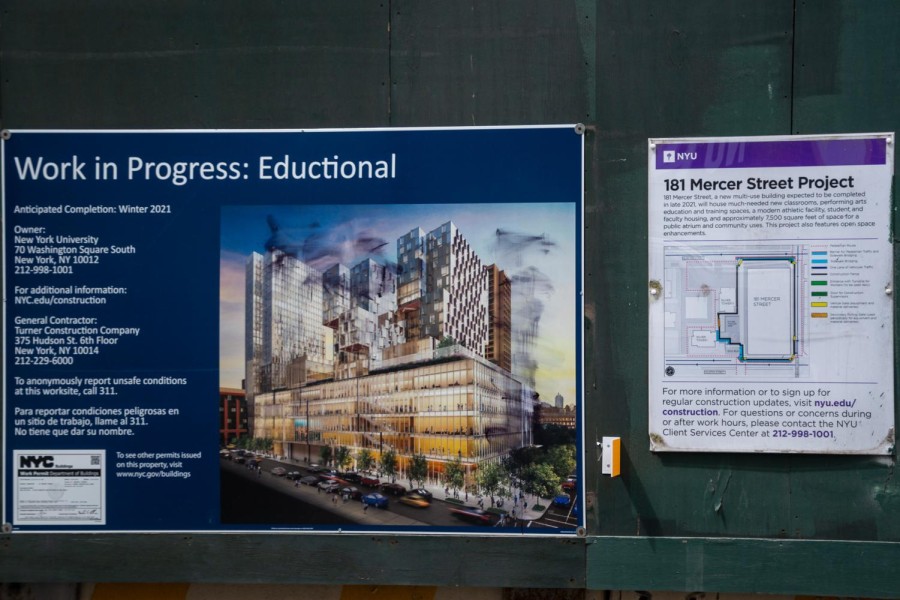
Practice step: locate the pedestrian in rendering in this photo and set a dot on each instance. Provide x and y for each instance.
(334, 499)
(365, 507)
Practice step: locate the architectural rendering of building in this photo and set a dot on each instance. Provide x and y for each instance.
(418, 362)
(284, 322)
(499, 345)
(233, 422)
(564, 417)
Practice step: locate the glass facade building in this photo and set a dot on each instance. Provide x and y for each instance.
(284, 308)
(451, 407)
(420, 355)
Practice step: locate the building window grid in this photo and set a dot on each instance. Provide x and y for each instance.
(440, 423)
(465, 412)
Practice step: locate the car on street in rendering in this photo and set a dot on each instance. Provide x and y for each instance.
(422, 492)
(369, 480)
(329, 486)
(309, 480)
(351, 492)
(416, 500)
(473, 515)
(377, 500)
(279, 471)
(394, 489)
(562, 500)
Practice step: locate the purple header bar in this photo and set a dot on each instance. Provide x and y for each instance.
(785, 153)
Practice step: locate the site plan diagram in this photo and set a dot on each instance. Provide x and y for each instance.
(734, 310)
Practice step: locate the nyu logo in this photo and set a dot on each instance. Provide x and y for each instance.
(35, 461)
(670, 156)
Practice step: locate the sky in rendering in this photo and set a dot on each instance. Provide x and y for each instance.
(534, 243)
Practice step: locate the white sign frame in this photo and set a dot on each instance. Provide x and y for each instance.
(771, 314)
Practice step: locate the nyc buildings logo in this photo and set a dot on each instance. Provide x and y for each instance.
(26, 462)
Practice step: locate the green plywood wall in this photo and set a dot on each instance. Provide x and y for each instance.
(629, 70)
(739, 71)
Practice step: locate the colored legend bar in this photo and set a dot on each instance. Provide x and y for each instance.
(819, 268)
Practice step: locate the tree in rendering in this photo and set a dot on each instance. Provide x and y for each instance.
(364, 459)
(418, 470)
(550, 434)
(389, 464)
(342, 457)
(562, 460)
(446, 342)
(326, 454)
(262, 444)
(455, 475)
(515, 463)
(540, 480)
(490, 477)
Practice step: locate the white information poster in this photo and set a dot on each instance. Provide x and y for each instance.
(59, 487)
(771, 309)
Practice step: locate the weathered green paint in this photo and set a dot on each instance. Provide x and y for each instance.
(630, 71)
(169, 64)
(728, 73)
(487, 63)
(789, 567)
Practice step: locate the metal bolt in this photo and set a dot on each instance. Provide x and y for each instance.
(580, 128)
(5, 134)
(655, 288)
(888, 289)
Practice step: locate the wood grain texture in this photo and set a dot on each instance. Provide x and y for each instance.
(280, 558)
